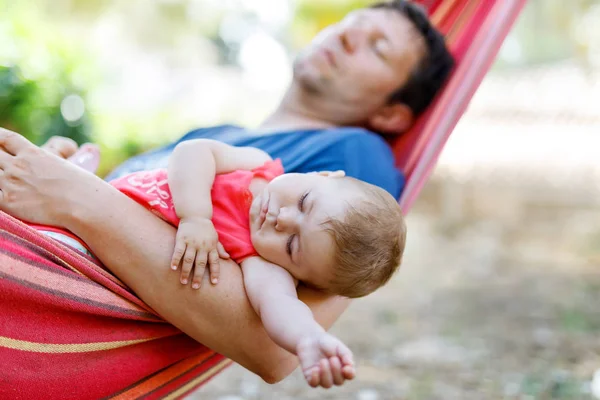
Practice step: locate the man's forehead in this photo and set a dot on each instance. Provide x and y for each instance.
(379, 14)
(391, 22)
(398, 28)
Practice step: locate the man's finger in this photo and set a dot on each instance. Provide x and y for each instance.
(5, 159)
(63, 147)
(12, 142)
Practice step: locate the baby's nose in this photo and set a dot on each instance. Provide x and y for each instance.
(287, 220)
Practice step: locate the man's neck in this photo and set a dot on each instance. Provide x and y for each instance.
(293, 115)
(281, 121)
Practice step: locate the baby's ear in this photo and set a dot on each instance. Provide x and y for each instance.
(333, 174)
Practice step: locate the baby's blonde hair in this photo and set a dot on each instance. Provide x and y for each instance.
(369, 241)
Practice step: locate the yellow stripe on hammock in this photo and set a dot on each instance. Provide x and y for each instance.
(66, 348)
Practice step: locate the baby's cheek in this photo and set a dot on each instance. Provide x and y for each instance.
(258, 241)
(254, 239)
(268, 247)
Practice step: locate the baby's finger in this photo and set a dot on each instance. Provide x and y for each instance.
(199, 269)
(188, 263)
(349, 372)
(347, 358)
(177, 254)
(329, 345)
(312, 376)
(345, 354)
(215, 268)
(336, 370)
(325, 378)
(222, 253)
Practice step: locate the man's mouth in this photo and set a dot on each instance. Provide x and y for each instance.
(330, 57)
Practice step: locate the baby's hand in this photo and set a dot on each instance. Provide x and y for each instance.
(325, 360)
(197, 242)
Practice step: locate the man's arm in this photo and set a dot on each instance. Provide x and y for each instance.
(136, 246)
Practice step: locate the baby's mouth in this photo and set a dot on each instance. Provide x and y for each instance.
(262, 214)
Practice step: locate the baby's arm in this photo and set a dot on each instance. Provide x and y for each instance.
(191, 173)
(290, 323)
(192, 169)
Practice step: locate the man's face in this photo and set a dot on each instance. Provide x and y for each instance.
(353, 66)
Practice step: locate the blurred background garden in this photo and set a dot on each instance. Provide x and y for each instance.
(499, 296)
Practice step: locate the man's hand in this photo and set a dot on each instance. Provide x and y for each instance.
(325, 360)
(196, 243)
(37, 186)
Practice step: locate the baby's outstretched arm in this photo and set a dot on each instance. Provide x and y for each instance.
(290, 323)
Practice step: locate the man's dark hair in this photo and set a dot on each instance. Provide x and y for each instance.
(434, 68)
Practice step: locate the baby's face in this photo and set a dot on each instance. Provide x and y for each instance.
(286, 224)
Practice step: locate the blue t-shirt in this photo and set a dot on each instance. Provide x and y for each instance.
(362, 154)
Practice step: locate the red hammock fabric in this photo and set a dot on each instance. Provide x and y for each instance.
(71, 330)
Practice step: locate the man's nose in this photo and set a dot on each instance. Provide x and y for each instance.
(352, 37)
(288, 220)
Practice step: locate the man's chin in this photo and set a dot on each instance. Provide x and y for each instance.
(310, 79)
(313, 84)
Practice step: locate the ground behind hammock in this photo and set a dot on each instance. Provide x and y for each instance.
(499, 295)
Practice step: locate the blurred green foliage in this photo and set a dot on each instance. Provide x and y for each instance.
(33, 108)
(41, 65)
(39, 68)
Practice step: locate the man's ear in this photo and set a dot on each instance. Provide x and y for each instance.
(392, 119)
(332, 174)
